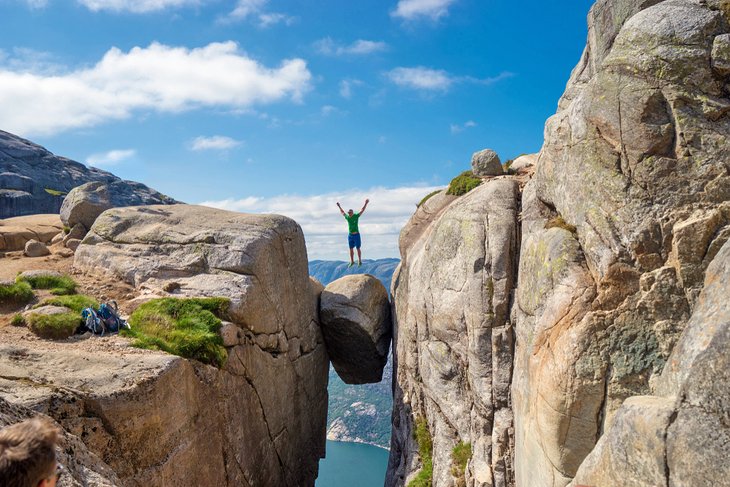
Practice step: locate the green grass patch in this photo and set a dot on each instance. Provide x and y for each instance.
(55, 192)
(424, 478)
(560, 223)
(187, 327)
(17, 320)
(427, 197)
(463, 183)
(55, 327)
(59, 285)
(66, 229)
(75, 302)
(460, 455)
(17, 293)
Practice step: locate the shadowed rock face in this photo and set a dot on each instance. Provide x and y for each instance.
(356, 324)
(78, 461)
(679, 436)
(628, 206)
(260, 420)
(34, 181)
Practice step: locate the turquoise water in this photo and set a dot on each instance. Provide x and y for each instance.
(352, 465)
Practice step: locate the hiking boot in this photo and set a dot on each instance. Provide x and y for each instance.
(359, 264)
(350, 264)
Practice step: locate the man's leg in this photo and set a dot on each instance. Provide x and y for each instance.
(358, 243)
(351, 244)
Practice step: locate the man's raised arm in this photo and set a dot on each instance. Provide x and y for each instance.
(364, 206)
(341, 210)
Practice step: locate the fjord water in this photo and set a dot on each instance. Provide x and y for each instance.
(352, 465)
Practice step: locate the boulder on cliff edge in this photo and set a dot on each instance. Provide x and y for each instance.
(357, 327)
(265, 412)
(486, 163)
(85, 203)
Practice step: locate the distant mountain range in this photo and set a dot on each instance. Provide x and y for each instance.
(326, 271)
(361, 413)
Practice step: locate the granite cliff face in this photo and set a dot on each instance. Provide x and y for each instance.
(35, 181)
(453, 338)
(590, 327)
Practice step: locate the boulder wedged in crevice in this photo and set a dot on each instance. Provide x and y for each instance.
(356, 323)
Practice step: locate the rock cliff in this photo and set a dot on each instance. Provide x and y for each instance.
(33, 180)
(558, 342)
(453, 339)
(157, 419)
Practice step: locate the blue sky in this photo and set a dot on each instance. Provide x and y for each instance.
(288, 106)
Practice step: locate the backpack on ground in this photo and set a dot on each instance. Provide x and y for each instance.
(92, 322)
(110, 316)
(105, 319)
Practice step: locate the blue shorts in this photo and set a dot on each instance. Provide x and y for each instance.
(353, 240)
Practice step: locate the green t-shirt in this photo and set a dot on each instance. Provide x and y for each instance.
(352, 222)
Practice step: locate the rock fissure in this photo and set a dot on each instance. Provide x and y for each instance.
(262, 409)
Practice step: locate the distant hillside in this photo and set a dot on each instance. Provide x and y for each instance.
(358, 413)
(33, 180)
(326, 271)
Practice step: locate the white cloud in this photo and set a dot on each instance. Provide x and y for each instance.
(269, 19)
(156, 78)
(426, 79)
(245, 9)
(136, 6)
(324, 228)
(215, 142)
(346, 86)
(328, 110)
(360, 47)
(421, 78)
(414, 9)
(37, 3)
(110, 158)
(456, 128)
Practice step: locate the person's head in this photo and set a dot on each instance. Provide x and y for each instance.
(28, 454)
(350, 212)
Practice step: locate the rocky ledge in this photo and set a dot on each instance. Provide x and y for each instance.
(157, 419)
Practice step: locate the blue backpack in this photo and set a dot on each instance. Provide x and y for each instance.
(106, 319)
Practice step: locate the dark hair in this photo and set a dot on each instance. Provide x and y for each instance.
(27, 453)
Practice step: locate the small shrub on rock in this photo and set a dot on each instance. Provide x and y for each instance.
(424, 478)
(55, 326)
(187, 327)
(463, 183)
(17, 320)
(17, 293)
(427, 197)
(460, 455)
(560, 223)
(59, 285)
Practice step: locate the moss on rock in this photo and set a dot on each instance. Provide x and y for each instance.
(187, 327)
